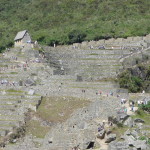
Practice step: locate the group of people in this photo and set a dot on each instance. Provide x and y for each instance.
(8, 83)
(123, 101)
(107, 94)
(14, 58)
(142, 102)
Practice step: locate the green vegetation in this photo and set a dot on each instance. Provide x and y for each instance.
(120, 128)
(13, 72)
(142, 115)
(146, 107)
(15, 91)
(17, 133)
(119, 131)
(146, 117)
(67, 21)
(135, 79)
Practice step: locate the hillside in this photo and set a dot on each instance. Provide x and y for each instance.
(67, 21)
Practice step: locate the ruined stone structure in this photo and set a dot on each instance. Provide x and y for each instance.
(22, 38)
(78, 70)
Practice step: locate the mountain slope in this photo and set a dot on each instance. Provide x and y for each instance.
(67, 21)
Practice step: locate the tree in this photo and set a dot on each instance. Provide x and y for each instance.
(76, 36)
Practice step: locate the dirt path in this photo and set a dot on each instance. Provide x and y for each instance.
(103, 145)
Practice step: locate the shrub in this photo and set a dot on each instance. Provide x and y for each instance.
(76, 36)
(19, 132)
(132, 83)
(142, 138)
(146, 107)
(120, 125)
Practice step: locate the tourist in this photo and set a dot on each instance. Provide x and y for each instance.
(59, 88)
(100, 92)
(111, 93)
(118, 95)
(122, 101)
(139, 103)
(110, 123)
(143, 92)
(125, 109)
(132, 106)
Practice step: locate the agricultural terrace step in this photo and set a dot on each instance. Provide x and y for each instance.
(5, 127)
(7, 102)
(12, 111)
(93, 84)
(90, 93)
(10, 122)
(104, 67)
(16, 101)
(95, 61)
(63, 77)
(86, 51)
(18, 97)
(11, 117)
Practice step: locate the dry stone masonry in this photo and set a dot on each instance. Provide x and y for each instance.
(81, 70)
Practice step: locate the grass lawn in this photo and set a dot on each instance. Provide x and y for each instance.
(58, 109)
(36, 129)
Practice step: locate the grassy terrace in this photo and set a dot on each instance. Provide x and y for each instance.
(58, 109)
(95, 59)
(88, 87)
(36, 129)
(53, 110)
(14, 91)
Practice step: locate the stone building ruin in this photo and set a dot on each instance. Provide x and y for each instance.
(22, 38)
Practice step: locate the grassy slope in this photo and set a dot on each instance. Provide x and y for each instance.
(53, 110)
(53, 20)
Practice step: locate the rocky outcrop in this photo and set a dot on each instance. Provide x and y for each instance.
(110, 138)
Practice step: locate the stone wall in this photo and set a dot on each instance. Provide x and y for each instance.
(118, 41)
(136, 58)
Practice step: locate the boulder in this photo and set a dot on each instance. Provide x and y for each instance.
(129, 122)
(128, 132)
(130, 140)
(101, 134)
(139, 125)
(79, 78)
(30, 82)
(31, 92)
(108, 131)
(135, 134)
(140, 144)
(88, 139)
(138, 120)
(110, 138)
(121, 145)
(112, 119)
(122, 117)
(20, 83)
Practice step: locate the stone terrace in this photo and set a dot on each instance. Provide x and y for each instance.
(78, 71)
